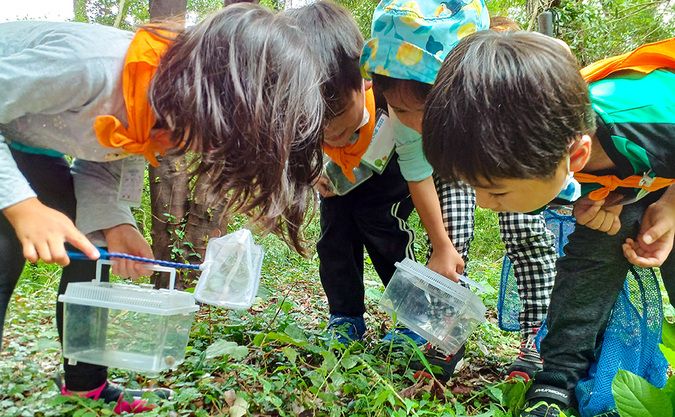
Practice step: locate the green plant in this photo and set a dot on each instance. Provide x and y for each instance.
(636, 397)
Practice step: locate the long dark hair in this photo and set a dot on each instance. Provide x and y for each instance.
(242, 91)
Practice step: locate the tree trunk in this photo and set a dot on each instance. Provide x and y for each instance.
(183, 221)
(204, 221)
(167, 9)
(168, 195)
(534, 7)
(169, 189)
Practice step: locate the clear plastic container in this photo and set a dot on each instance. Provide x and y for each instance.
(438, 309)
(132, 327)
(340, 184)
(231, 271)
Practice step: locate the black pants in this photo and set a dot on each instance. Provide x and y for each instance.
(589, 279)
(50, 178)
(374, 216)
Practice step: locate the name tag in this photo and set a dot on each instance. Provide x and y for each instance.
(381, 146)
(131, 182)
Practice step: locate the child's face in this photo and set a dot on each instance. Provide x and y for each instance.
(408, 107)
(340, 129)
(521, 195)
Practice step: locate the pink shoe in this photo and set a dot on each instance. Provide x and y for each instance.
(114, 393)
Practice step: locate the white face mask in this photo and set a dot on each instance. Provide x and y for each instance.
(366, 117)
(364, 121)
(571, 189)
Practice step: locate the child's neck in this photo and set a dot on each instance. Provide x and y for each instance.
(598, 161)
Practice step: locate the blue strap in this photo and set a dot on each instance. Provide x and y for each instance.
(79, 256)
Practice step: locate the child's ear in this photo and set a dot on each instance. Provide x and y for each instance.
(580, 153)
(367, 84)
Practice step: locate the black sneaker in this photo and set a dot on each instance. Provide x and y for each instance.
(543, 409)
(546, 401)
(528, 362)
(437, 358)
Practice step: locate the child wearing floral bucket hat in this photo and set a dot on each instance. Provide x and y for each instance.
(409, 42)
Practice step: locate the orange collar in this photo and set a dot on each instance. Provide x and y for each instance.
(349, 157)
(610, 183)
(140, 65)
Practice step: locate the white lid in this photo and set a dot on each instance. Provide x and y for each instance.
(136, 298)
(139, 298)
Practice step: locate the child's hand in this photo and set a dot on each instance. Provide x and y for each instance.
(323, 186)
(447, 262)
(43, 231)
(595, 215)
(125, 238)
(655, 239)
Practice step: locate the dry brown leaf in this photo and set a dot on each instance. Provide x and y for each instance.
(230, 397)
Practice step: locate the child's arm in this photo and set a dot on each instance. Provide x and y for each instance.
(654, 242)
(41, 79)
(100, 209)
(40, 229)
(444, 258)
(42, 232)
(417, 172)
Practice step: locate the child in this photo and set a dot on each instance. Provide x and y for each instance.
(529, 245)
(409, 42)
(539, 123)
(238, 87)
(375, 213)
(528, 242)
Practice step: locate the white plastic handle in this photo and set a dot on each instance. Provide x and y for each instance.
(472, 283)
(171, 271)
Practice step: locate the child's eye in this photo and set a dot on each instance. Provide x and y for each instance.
(497, 195)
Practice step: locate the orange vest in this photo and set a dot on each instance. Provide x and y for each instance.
(644, 59)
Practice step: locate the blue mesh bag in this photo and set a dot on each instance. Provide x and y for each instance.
(631, 339)
(508, 302)
(631, 342)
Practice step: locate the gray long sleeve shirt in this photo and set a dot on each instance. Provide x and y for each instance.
(55, 78)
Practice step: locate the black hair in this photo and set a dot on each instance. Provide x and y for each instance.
(419, 89)
(505, 105)
(335, 39)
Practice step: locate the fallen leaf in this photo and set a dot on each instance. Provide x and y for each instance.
(412, 390)
(225, 347)
(230, 397)
(239, 408)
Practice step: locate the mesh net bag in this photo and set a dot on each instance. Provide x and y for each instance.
(508, 302)
(631, 342)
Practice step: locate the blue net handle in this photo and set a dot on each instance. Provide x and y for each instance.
(109, 255)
